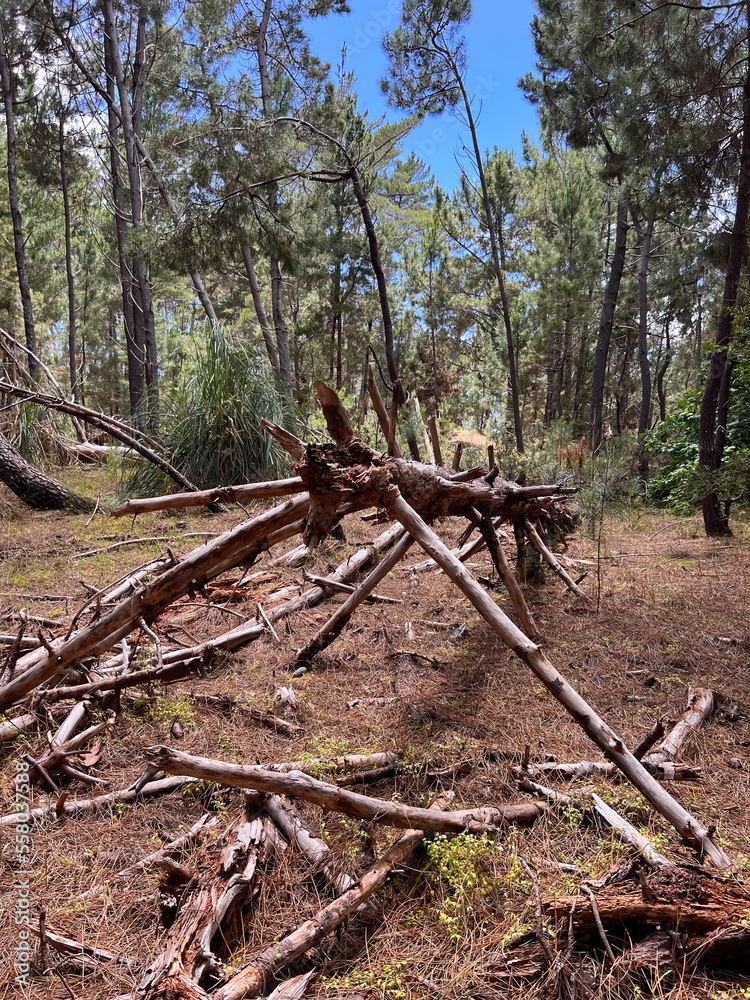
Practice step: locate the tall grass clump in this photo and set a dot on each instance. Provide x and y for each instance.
(212, 431)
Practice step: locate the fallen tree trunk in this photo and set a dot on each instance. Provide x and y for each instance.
(301, 786)
(36, 490)
(242, 543)
(109, 425)
(708, 915)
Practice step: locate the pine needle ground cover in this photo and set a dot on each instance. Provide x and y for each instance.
(423, 677)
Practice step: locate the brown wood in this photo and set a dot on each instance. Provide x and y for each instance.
(256, 974)
(239, 544)
(709, 914)
(380, 410)
(75, 806)
(435, 439)
(298, 785)
(592, 724)
(220, 494)
(551, 561)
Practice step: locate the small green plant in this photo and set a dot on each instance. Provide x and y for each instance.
(386, 980)
(459, 862)
(180, 708)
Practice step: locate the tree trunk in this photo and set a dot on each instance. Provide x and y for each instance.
(33, 487)
(277, 310)
(497, 250)
(260, 309)
(134, 340)
(141, 278)
(605, 325)
(644, 417)
(6, 79)
(715, 403)
(73, 365)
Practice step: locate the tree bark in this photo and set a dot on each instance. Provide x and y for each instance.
(6, 79)
(715, 402)
(605, 325)
(644, 417)
(72, 362)
(33, 487)
(141, 278)
(260, 309)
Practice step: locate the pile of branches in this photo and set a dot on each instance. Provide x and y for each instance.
(90, 665)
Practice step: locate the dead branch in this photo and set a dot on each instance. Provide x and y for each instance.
(242, 543)
(595, 728)
(551, 561)
(74, 807)
(220, 494)
(298, 785)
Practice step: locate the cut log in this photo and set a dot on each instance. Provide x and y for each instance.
(301, 786)
(595, 727)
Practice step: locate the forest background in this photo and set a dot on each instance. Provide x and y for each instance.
(199, 219)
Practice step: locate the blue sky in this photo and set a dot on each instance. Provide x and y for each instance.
(499, 50)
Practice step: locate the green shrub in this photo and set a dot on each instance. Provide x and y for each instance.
(213, 433)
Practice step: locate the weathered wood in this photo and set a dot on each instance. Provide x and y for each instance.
(220, 494)
(487, 529)
(256, 974)
(700, 706)
(347, 588)
(627, 832)
(302, 786)
(74, 806)
(708, 914)
(551, 561)
(592, 724)
(380, 410)
(317, 852)
(603, 769)
(187, 958)
(244, 542)
(342, 615)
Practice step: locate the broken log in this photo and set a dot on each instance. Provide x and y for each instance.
(301, 786)
(699, 708)
(256, 974)
(239, 544)
(707, 915)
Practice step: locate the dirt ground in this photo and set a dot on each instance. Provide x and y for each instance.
(428, 678)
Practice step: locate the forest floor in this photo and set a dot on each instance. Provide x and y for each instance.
(425, 677)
